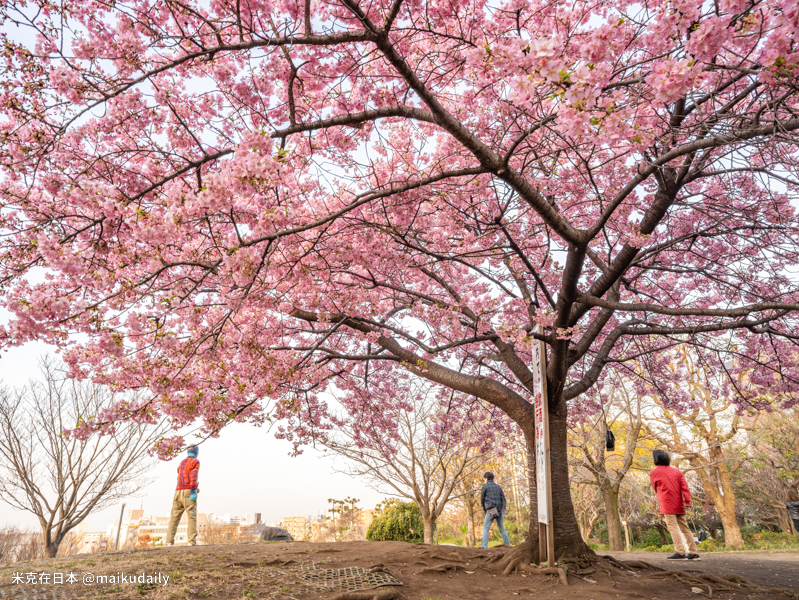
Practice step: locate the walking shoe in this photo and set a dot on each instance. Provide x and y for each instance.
(677, 556)
(692, 557)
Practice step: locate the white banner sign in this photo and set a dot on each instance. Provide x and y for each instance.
(541, 433)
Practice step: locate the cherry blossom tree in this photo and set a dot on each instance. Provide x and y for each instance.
(240, 205)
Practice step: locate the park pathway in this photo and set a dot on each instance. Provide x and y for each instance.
(769, 569)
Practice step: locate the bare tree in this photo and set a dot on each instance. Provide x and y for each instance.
(219, 533)
(604, 469)
(59, 478)
(709, 435)
(413, 463)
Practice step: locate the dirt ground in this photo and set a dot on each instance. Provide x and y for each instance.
(281, 571)
(769, 569)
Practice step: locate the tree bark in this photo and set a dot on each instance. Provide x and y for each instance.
(610, 499)
(732, 531)
(627, 543)
(428, 530)
(717, 483)
(568, 541)
(470, 533)
(51, 543)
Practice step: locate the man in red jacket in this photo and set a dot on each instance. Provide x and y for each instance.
(185, 497)
(671, 489)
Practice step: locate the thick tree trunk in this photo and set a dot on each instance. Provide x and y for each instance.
(732, 531)
(531, 540)
(428, 530)
(568, 541)
(717, 483)
(610, 499)
(51, 544)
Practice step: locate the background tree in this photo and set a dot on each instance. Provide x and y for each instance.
(408, 188)
(622, 415)
(705, 432)
(209, 533)
(62, 479)
(776, 440)
(421, 452)
(762, 496)
(399, 521)
(346, 517)
(588, 505)
(467, 493)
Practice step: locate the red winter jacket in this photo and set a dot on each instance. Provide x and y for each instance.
(671, 488)
(188, 471)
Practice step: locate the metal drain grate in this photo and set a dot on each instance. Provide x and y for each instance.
(350, 579)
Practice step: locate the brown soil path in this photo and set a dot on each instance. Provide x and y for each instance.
(278, 571)
(769, 569)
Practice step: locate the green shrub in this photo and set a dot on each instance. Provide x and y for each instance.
(771, 540)
(666, 548)
(650, 537)
(710, 545)
(594, 546)
(400, 522)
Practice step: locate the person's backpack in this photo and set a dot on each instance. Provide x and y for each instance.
(610, 440)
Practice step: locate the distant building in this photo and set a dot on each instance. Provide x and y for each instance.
(137, 527)
(298, 527)
(134, 516)
(94, 541)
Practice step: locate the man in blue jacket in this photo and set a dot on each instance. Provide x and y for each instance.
(492, 499)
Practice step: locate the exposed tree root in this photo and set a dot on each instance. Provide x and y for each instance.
(453, 556)
(496, 557)
(513, 564)
(561, 573)
(443, 568)
(519, 559)
(641, 564)
(514, 557)
(580, 563)
(371, 595)
(726, 583)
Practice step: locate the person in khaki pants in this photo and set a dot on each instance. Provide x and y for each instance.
(672, 489)
(185, 499)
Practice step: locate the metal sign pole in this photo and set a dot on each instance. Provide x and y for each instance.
(546, 533)
(119, 527)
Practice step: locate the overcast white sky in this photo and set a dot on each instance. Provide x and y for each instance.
(245, 470)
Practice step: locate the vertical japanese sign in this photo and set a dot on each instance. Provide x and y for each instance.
(542, 468)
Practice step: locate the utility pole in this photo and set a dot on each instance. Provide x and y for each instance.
(119, 526)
